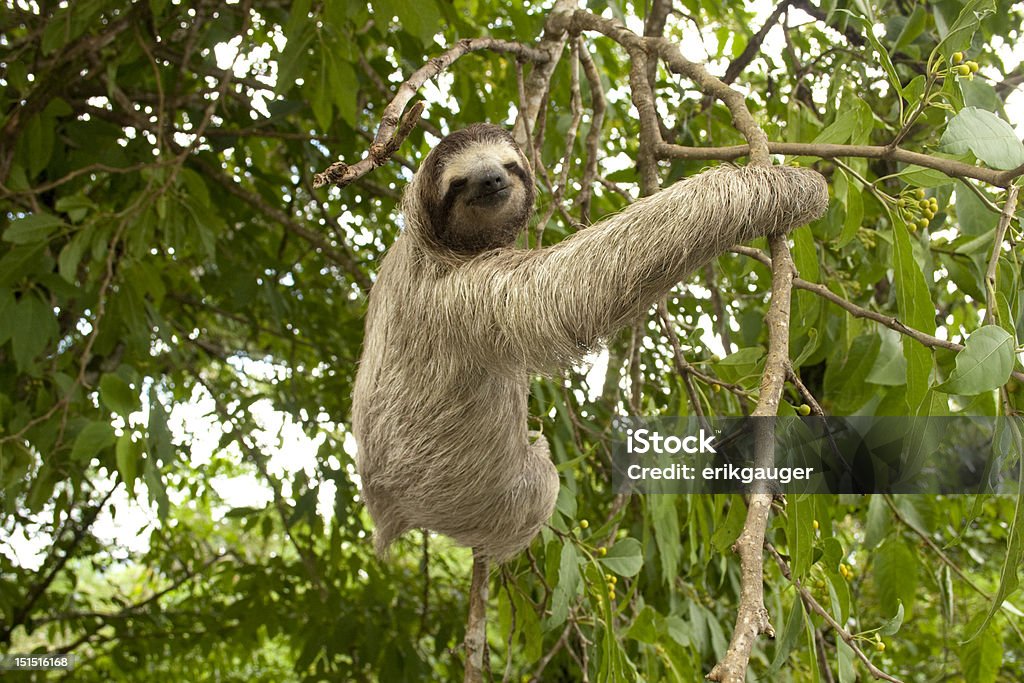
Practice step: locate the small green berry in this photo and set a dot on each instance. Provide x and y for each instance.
(584, 524)
(973, 66)
(803, 409)
(880, 647)
(963, 70)
(601, 552)
(957, 57)
(919, 193)
(924, 204)
(922, 223)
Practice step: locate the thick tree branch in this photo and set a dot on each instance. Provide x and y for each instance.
(951, 167)
(476, 625)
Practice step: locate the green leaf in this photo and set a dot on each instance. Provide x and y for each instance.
(844, 655)
(665, 518)
(35, 227)
(893, 625)
(784, 646)
(1009, 431)
(300, 33)
(982, 657)
(890, 367)
(895, 572)
(118, 395)
(625, 558)
(567, 587)
(647, 626)
(71, 255)
(128, 453)
(883, 55)
(984, 364)
(846, 373)
(91, 440)
(7, 306)
(974, 219)
(913, 27)
(729, 530)
(854, 214)
(800, 533)
(916, 309)
(877, 525)
(962, 31)
(33, 326)
(919, 176)
(990, 138)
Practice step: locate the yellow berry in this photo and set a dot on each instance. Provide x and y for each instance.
(880, 647)
(601, 552)
(973, 66)
(957, 57)
(804, 409)
(924, 204)
(815, 524)
(611, 595)
(934, 203)
(963, 70)
(922, 223)
(613, 579)
(919, 193)
(819, 584)
(584, 524)
(715, 388)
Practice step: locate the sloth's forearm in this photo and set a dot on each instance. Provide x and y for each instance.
(552, 305)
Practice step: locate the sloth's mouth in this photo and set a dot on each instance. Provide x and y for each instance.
(491, 198)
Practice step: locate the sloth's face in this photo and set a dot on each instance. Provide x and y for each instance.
(483, 193)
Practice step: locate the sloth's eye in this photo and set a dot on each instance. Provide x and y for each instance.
(511, 165)
(458, 183)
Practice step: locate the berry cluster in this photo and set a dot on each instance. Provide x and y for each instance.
(916, 209)
(961, 68)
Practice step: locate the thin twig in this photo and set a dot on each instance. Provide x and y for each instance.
(813, 605)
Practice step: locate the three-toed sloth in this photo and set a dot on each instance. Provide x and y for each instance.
(459, 319)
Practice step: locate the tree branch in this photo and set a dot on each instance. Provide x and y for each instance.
(396, 126)
(476, 624)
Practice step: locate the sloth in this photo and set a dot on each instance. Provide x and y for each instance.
(459, 320)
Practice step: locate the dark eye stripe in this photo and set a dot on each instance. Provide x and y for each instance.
(511, 165)
(457, 183)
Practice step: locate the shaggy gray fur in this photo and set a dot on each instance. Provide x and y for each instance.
(439, 410)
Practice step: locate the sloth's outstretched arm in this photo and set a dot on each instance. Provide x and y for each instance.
(544, 308)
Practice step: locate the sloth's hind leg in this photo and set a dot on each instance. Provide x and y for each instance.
(528, 503)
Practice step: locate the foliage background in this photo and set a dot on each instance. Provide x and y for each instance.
(171, 286)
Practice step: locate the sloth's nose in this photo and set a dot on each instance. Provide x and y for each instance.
(493, 180)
